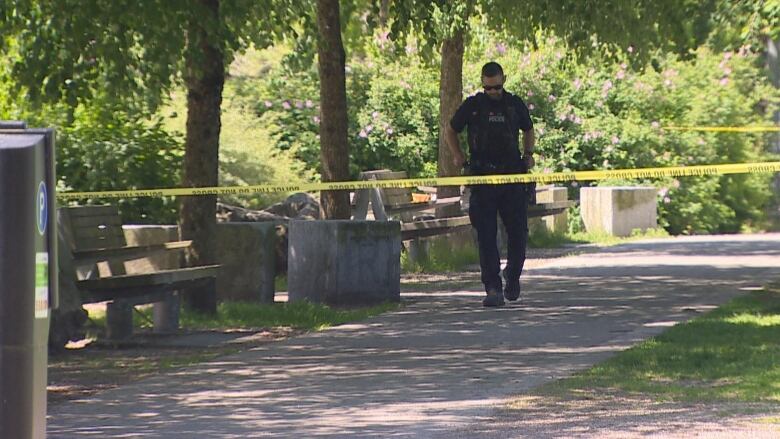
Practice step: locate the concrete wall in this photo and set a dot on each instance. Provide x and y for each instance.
(343, 262)
(244, 250)
(618, 210)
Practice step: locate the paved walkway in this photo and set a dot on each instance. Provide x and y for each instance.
(443, 364)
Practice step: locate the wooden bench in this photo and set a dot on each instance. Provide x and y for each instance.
(92, 257)
(386, 203)
(390, 202)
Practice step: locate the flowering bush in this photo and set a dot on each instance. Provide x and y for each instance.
(600, 114)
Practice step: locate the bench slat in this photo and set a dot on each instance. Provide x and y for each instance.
(126, 253)
(162, 277)
(81, 211)
(79, 222)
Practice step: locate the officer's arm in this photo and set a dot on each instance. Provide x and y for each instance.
(458, 158)
(528, 147)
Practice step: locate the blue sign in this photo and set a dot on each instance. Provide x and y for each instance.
(42, 208)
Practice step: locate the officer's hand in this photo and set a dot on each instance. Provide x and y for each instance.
(529, 161)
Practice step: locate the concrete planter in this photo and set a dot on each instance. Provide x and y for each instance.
(245, 252)
(343, 262)
(618, 210)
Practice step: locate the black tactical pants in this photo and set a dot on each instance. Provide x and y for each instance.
(485, 204)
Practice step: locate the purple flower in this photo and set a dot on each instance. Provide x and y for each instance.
(630, 49)
(369, 128)
(298, 104)
(724, 81)
(620, 74)
(501, 48)
(382, 39)
(363, 134)
(607, 85)
(316, 119)
(389, 131)
(286, 105)
(577, 84)
(531, 107)
(530, 93)
(268, 104)
(667, 200)
(551, 98)
(655, 124)
(309, 103)
(615, 140)
(663, 191)
(375, 114)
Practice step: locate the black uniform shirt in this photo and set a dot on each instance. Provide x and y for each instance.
(499, 146)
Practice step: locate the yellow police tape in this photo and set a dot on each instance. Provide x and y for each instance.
(557, 177)
(724, 129)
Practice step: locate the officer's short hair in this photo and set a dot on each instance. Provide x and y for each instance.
(492, 69)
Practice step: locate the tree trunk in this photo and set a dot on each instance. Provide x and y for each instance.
(334, 150)
(450, 98)
(384, 13)
(204, 77)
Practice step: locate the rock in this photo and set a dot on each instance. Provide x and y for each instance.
(297, 206)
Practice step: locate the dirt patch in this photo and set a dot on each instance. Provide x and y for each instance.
(84, 371)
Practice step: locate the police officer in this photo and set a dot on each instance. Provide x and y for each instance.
(495, 119)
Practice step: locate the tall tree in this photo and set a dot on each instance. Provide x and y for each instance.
(333, 103)
(134, 52)
(204, 76)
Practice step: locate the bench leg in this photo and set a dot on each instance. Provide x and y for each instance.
(165, 314)
(119, 320)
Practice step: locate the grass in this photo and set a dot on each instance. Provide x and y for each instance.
(729, 354)
(237, 315)
(541, 238)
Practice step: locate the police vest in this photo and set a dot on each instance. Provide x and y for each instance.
(494, 143)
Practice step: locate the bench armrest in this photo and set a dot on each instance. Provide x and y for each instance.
(127, 253)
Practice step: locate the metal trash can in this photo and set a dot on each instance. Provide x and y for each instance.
(28, 276)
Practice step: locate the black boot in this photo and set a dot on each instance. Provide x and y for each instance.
(494, 298)
(511, 288)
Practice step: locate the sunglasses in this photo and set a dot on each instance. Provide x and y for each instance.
(493, 87)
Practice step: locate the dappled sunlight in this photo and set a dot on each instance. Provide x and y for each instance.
(751, 319)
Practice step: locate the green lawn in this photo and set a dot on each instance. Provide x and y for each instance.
(731, 353)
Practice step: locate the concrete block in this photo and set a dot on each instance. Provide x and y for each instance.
(618, 210)
(247, 255)
(419, 249)
(343, 262)
(553, 223)
(244, 250)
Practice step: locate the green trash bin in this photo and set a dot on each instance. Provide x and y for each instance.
(28, 276)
